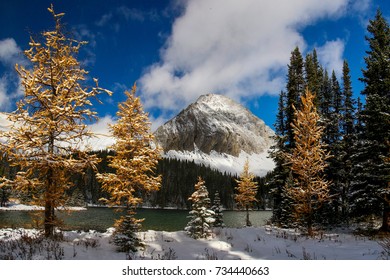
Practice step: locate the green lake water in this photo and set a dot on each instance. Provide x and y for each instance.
(102, 218)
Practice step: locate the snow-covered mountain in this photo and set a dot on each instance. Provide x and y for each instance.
(219, 132)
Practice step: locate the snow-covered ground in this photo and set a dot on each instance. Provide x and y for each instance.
(266, 243)
(259, 164)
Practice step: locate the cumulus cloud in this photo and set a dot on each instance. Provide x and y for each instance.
(10, 87)
(236, 48)
(360, 9)
(10, 90)
(10, 53)
(157, 121)
(331, 56)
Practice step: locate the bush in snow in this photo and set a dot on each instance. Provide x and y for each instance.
(30, 246)
(201, 216)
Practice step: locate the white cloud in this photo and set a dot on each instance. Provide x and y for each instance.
(101, 130)
(237, 48)
(3, 92)
(360, 6)
(330, 56)
(362, 9)
(10, 86)
(157, 122)
(10, 53)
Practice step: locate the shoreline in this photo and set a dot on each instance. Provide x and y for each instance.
(25, 207)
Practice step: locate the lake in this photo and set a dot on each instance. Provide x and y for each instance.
(102, 218)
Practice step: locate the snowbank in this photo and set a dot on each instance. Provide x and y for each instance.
(259, 164)
(265, 243)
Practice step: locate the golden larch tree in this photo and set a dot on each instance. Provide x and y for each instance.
(246, 191)
(48, 127)
(307, 161)
(134, 161)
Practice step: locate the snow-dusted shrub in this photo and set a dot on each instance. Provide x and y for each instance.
(30, 247)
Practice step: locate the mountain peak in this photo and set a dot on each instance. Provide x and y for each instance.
(214, 99)
(217, 102)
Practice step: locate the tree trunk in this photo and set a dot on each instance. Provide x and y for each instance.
(310, 223)
(49, 218)
(248, 222)
(49, 199)
(49, 204)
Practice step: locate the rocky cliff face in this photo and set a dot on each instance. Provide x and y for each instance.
(215, 123)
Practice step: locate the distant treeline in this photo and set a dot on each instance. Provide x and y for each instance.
(178, 180)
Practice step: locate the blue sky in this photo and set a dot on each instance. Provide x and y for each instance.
(179, 50)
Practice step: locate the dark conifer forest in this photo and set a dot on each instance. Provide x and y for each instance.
(356, 134)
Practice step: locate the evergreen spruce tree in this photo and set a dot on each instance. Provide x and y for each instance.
(325, 105)
(313, 74)
(348, 108)
(336, 109)
(202, 218)
(348, 120)
(280, 172)
(125, 237)
(295, 88)
(134, 162)
(373, 192)
(358, 155)
(46, 138)
(332, 117)
(284, 138)
(309, 189)
(246, 191)
(217, 209)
